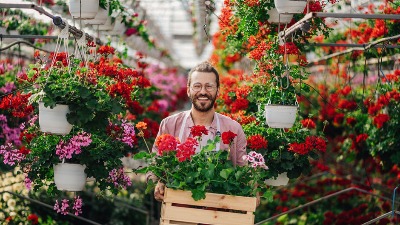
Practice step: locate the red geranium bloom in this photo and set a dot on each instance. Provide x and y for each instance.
(299, 148)
(227, 137)
(308, 123)
(33, 218)
(166, 143)
(361, 137)
(186, 150)
(198, 130)
(315, 142)
(380, 119)
(257, 142)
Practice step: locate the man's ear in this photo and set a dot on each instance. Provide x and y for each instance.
(188, 91)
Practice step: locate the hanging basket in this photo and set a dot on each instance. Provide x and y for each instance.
(100, 18)
(280, 116)
(274, 17)
(290, 6)
(69, 177)
(83, 9)
(281, 180)
(54, 120)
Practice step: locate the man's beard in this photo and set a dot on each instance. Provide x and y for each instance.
(203, 107)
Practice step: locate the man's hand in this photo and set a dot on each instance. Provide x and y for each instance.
(159, 191)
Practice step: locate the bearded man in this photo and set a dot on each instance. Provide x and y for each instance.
(202, 89)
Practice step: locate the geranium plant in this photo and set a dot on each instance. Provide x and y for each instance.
(179, 167)
(93, 93)
(289, 150)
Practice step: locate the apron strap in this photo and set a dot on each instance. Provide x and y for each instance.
(183, 126)
(218, 132)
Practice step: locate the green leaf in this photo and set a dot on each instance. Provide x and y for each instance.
(141, 155)
(198, 194)
(268, 195)
(226, 172)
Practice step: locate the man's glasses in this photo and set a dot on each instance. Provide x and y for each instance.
(197, 87)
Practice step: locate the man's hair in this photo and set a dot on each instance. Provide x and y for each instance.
(203, 67)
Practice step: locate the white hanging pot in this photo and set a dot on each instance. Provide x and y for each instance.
(274, 17)
(54, 120)
(83, 9)
(99, 19)
(281, 180)
(280, 116)
(290, 6)
(69, 177)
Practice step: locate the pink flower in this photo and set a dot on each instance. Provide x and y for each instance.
(77, 207)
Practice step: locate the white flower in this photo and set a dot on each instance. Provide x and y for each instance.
(11, 203)
(18, 187)
(251, 159)
(12, 214)
(6, 182)
(6, 197)
(253, 154)
(2, 216)
(245, 158)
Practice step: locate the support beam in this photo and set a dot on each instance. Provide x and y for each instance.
(299, 24)
(58, 21)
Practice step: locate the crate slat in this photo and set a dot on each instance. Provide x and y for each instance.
(212, 200)
(192, 215)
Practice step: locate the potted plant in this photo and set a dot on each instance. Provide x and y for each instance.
(287, 153)
(63, 162)
(92, 93)
(206, 172)
(276, 94)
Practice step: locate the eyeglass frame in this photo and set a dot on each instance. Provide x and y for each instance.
(213, 87)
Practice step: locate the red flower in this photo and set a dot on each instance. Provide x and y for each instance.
(166, 143)
(299, 148)
(24, 150)
(380, 119)
(33, 218)
(239, 104)
(361, 137)
(289, 47)
(315, 142)
(346, 104)
(105, 49)
(130, 31)
(198, 130)
(257, 142)
(187, 149)
(308, 123)
(338, 120)
(227, 137)
(351, 121)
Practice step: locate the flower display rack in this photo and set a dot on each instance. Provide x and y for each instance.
(179, 208)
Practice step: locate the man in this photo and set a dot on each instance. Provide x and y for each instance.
(202, 89)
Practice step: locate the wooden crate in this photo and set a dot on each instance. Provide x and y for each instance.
(179, 208)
